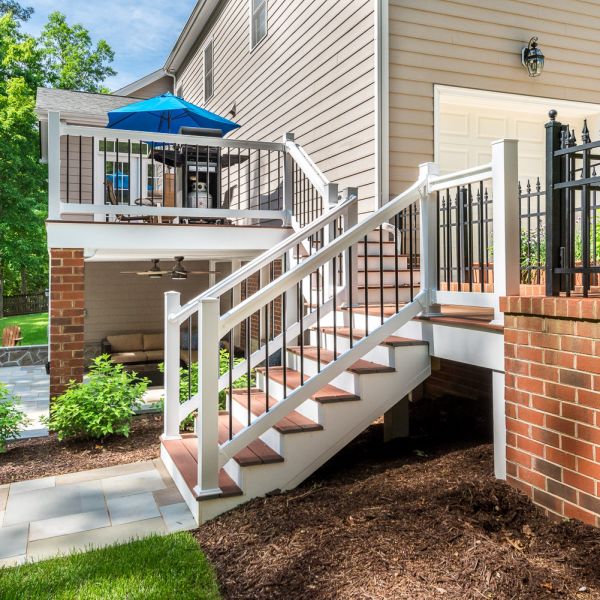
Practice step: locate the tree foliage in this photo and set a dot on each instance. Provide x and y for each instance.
(63, 56)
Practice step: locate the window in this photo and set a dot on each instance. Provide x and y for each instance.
(258, 20)
(208, 71)
(124, 147)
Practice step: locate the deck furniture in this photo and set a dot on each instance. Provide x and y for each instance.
(11, 336)
(110, 194)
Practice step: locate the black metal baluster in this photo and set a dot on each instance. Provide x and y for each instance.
(230, 415)
(396, 266)
(482, 272)
(284, 330)
(349, 284)
(80, 167)
(68, 165)
(411, 257)
(366, 283)
(381, 288)
(248, 371)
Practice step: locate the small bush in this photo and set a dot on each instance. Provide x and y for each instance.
(102, 405)
(12, 420)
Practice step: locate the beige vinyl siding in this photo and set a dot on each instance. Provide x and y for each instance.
(123, 303)
(312, 75)
(477, 44)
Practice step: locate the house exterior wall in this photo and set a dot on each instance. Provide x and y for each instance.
(156, 88)
(476, 44)
(312, 75)
(552, 363)
(122, 303)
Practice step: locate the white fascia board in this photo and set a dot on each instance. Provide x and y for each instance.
(381, 108)
(138, 239)
(190, 33)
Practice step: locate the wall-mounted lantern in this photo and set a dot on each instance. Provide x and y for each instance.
(532, 58)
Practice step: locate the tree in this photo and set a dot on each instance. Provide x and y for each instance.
(70, 60)
(22, 13)
(64, 57)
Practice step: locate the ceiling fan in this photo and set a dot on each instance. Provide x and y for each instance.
(178, 272)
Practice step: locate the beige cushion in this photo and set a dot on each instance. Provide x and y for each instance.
(154, 341)
(129, 342)
(154, 355)
(184, 355)
(126, 358)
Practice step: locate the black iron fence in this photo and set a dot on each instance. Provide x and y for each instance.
(572, 211)
(532, 216)
(24, 304)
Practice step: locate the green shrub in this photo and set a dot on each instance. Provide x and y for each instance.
(102, 405)
(12, 420)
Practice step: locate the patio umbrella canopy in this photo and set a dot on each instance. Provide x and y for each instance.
(166, 114)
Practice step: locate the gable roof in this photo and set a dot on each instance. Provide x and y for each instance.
(132, 87)
(190, 33)
(80, 107)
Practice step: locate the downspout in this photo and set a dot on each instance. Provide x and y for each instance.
(382, 77)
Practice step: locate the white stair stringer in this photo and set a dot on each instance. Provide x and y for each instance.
(342, 421)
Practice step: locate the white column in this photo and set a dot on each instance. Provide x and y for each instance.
(288, 189)
(171, 375)
(207, 421)
(499, 416)
(428, 239)
(53, 166)
(505, 210)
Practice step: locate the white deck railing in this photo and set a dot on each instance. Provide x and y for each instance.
(111, 175)
(324, 254)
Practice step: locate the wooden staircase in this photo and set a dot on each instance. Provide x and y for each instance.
(306, 437)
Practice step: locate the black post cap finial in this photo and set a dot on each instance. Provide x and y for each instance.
(552, 114)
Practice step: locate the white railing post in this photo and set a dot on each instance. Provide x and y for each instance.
(330, 200)
(288, 181)
(428, 239)
(505, 227)
(350, 255)
(207, 419)
(53, 165)
(171, 374)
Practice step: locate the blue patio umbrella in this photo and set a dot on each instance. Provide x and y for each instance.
(166, 114)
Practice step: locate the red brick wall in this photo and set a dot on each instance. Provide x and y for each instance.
(66, 317)
(552, 362)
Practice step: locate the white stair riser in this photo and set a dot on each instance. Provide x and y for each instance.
(389, 295)
(386, 236)
(309, 408)
(349, 382)
(389, 262)
(382, 355)
(389, 277)
(271, 437)
(373, 249)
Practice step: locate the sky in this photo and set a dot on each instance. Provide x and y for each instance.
(141, 33)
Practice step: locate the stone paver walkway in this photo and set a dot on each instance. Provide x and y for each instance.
(46, 517)
(32, 385)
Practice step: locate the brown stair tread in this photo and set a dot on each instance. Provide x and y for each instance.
(185, 457)
(392, 340)
(292, 423)
(328, 393)
(387, 286)
(256, 453)
(360, 367)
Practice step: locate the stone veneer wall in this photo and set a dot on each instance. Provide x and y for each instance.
(66, 317)
(23, 356)
(552, 364)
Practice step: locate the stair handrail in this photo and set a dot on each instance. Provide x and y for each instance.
(262, 260)
(300, 271)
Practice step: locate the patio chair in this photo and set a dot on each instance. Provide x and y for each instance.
(110, 194)
(11, 336)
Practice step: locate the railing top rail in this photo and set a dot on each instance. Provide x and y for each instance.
(459, 178)
(310, 169)
(274, 289)
(263, 260)
(171, 138)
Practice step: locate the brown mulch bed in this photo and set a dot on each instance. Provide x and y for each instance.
(46, 456)
(407, 520)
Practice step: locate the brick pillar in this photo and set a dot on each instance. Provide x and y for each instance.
(66, 317)
(552, 363)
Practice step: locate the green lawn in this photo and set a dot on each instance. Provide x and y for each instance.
(156, 568)
(34, 328)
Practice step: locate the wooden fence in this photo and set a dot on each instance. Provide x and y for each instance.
(24, 304)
